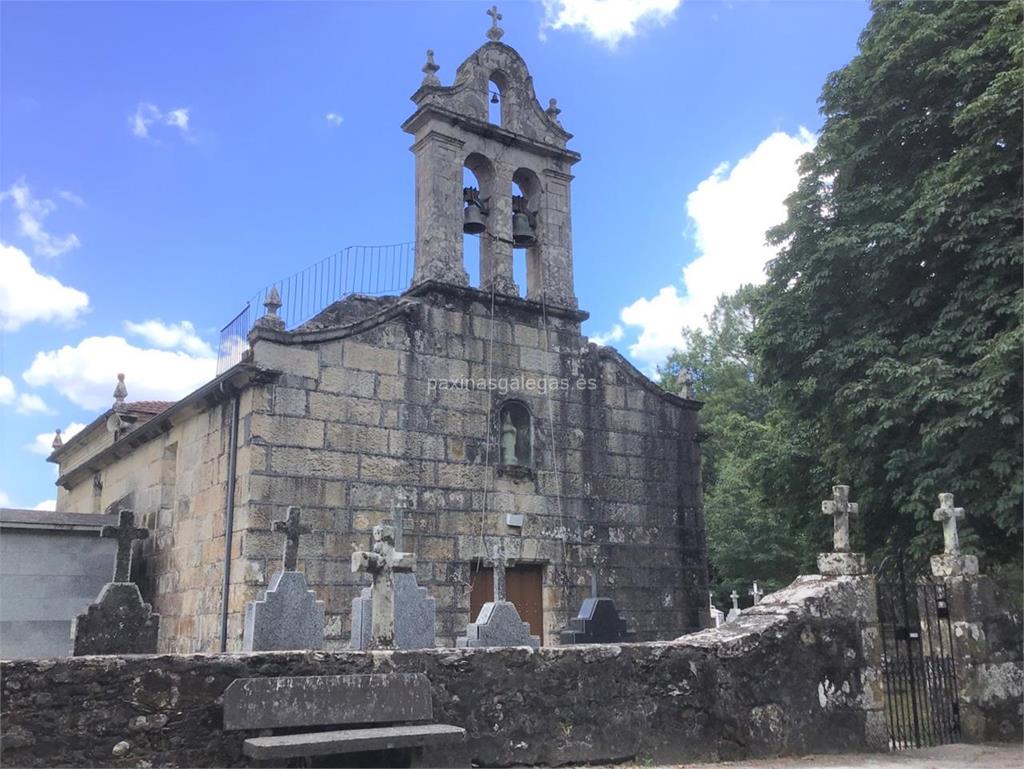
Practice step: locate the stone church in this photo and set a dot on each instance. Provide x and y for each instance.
(478, 418)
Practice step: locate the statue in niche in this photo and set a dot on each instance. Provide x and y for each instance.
(508, 440)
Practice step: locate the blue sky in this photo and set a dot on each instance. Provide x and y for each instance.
(159, 163)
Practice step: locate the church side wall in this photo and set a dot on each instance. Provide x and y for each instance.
(355, 426)
(176, 483)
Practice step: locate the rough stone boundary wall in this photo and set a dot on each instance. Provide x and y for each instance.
(796, 674)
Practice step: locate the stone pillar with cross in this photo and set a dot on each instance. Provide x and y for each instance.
(382, 563)
(119, 622)
(756, 593)
(840, 562)
(289, 617)
(951, 563)
(734, 612)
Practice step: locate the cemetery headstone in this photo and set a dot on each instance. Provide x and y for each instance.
(119, 622)
(290, 616)
(841, 561)
(598, 621)
(757, 593)
(498, 623)
(951, 562)
(734, 612)
(383, 563)
(716, 614)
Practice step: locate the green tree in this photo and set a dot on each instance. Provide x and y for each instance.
(890, 327)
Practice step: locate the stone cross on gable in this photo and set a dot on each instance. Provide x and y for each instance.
(382, 563)
(495, 32)
(948, 516)
(125, 533)
(840, 508)
(757, 593)
(735, 599)
(291, 528)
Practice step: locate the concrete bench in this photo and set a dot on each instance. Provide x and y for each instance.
(378, 712)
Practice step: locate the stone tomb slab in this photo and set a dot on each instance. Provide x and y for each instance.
(415, 616)
(598, 622)
(120, 622)
(499, 624)
(289, 618)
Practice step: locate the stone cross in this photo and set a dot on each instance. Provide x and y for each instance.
(292, 530)
(735, 600)
(495, 32)
(757, 593)
(948, 516)
(499, 573)
(840, 508)
(382, 563)
(125, 533)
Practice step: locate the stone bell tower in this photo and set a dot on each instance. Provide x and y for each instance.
(528, 148)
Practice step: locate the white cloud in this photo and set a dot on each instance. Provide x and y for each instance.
(171, 336)
(71, 197)
(731, 210)
(43, 443)
(334, 118)
(608, 21)
(27, 295)
(6, 390)
(86, 373)
(47, 505)
(615, 335)
(5, 501)
(30, 403)
(148, 115)
(31, 213)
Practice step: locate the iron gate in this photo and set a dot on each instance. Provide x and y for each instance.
(919, 672)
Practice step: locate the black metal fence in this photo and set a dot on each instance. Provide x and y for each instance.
(918, 659)
(371, 270)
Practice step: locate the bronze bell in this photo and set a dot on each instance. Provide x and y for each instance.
(473, 219)
(523, 235)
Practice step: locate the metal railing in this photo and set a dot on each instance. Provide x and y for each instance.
(370, 270)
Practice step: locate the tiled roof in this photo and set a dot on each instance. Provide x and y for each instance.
(152, 408)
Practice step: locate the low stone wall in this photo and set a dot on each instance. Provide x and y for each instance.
(796, 674)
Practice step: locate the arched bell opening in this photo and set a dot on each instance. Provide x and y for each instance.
(497, 112)
(477, 192)
(526, 240)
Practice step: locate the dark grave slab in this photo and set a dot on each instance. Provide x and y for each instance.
(120, 622)
(598, 622)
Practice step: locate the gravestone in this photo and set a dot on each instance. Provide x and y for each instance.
(598, 621)
(498, 623)
(415, 615)
(290, 616)
(757, 593)
(717, 616)
(119, 622)
(383, 563)
(734, 612)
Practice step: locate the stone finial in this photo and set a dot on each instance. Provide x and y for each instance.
(756, 592)
(840, 508)
(292, 530)
(272, 304)
(495, 32)
(951, 563)
(57, 441)
(685, 380)
(840, 562)
(948, 516)
(430, 70)
(120, 393)
(125, 533)
(553, 111)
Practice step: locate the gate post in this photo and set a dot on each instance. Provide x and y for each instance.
(987, 640)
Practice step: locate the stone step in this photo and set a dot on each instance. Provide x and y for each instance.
(352, 740)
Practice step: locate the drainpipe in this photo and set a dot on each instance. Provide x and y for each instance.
(229, 519)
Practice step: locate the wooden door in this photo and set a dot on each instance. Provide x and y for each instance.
(524, 584)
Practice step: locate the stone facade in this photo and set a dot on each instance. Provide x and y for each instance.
(379, 404)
